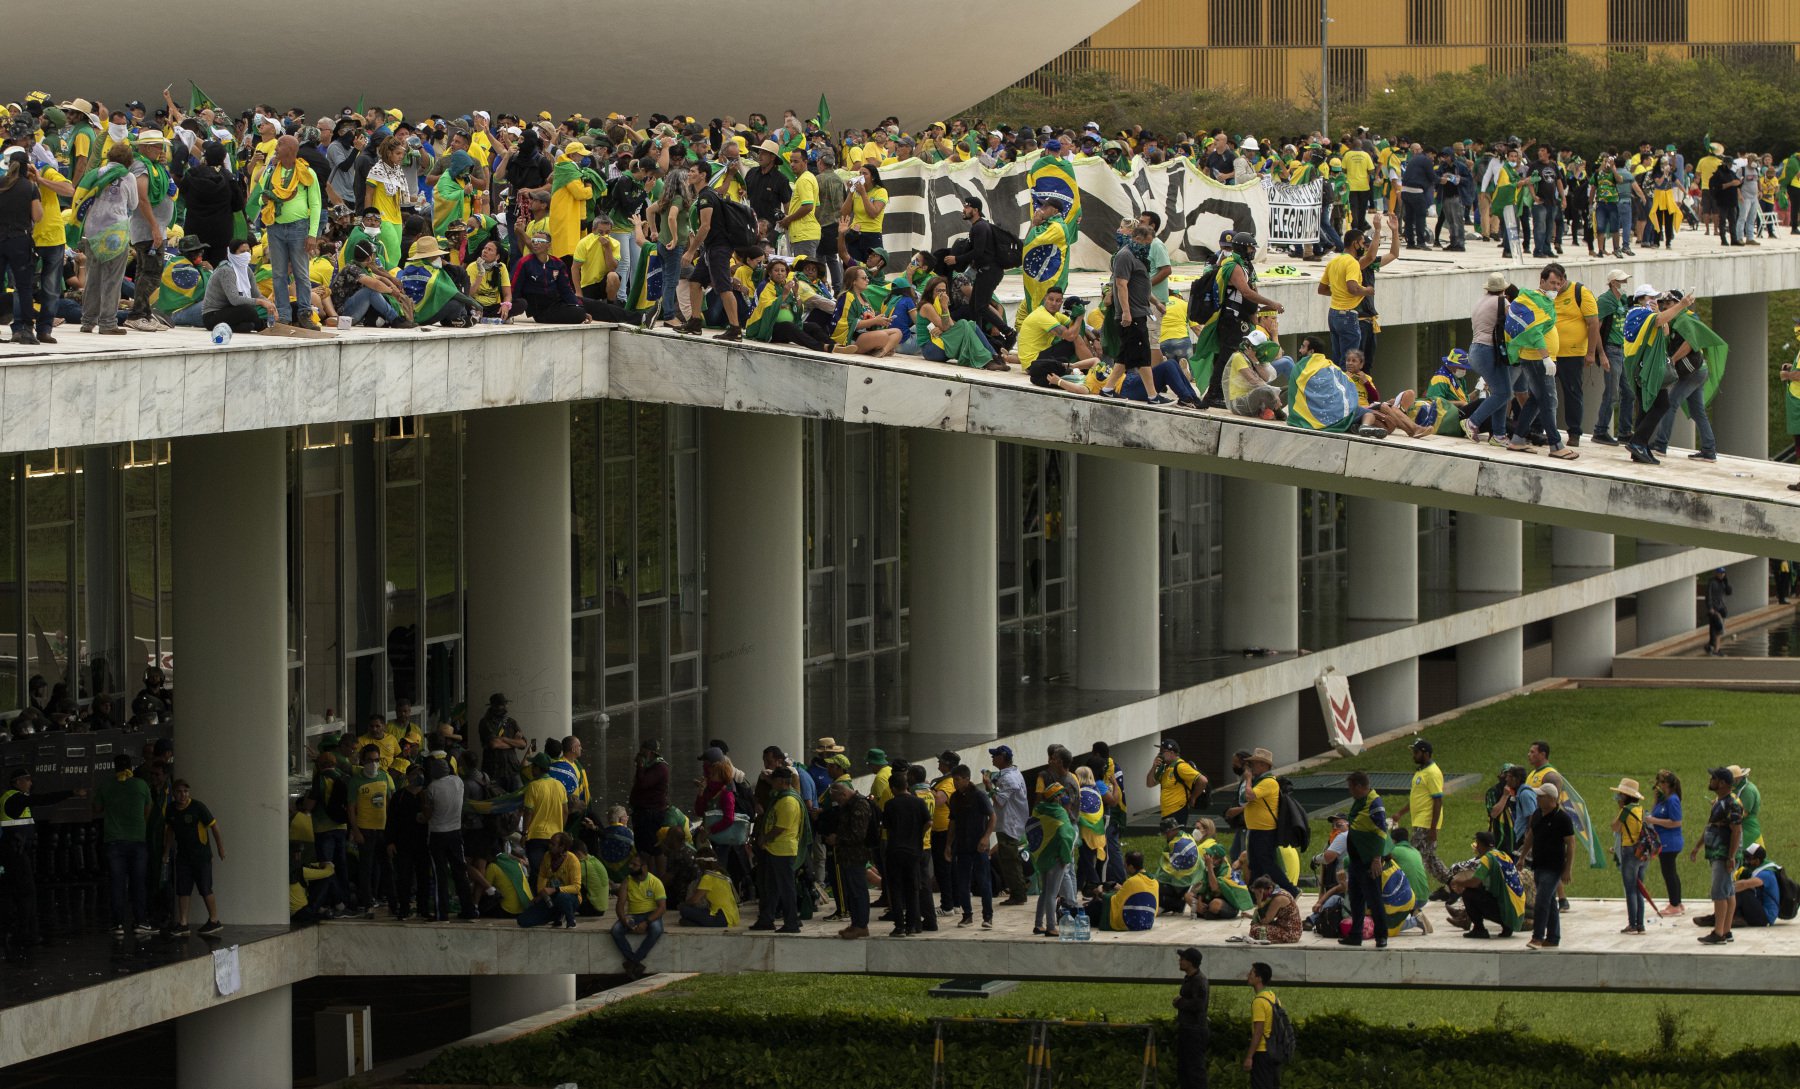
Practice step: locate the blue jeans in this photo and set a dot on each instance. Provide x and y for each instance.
(1498, 375)
(49, 285)
(16, 256)
(1631, 872)
(1167, 375)
(1692, 391)
(189, 317)
(127, 863)
(622, 935)
(560, 908)
(1541, 236)
(1541, 405)
(1329, 238)
(1546, 926)
(288, 258)
(1615, 388)
(1346, 333)
(366, 299)
(1265, 860)
(628, 258)
(1568, 382)
(334, 847)
(853, 886)
(969, 871)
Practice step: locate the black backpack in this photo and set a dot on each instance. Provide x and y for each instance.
(1292, 828)
(1790, 893)
(736, 223)
(1009, 250)
(1203, 298)
(871, 831)
(1282, 1039)
(745, 796)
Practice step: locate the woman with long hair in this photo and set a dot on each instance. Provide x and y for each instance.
(866, 205)
(944, 339)
(862, 329)
(1665, 817)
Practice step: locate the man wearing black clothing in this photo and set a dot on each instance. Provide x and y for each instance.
(18, 854)
(1725, 185)
(766, 188)
(1547, 187)
(905, 818)
(1550, 845)
(1451, 174)
(1192, 1030)
(975, 254)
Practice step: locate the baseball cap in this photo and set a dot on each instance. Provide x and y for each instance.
(1618, 276)
(1001, 750)
(1170, 744)
(1642, 290)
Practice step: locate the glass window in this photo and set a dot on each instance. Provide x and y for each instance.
(11, 690)
(365, 579)
(403, 591)
(440, 454)
(321, 621)
(584, 500)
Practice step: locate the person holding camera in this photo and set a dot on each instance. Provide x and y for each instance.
(1182, 785)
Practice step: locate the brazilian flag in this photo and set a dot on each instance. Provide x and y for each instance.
(1181, 862)
(1206, 345)
(617, 845)
(1501, 876)
(1702, 339)
(1397, 896)
(1049, 836)
(1646, 352)
(1090, 814)
(515, 876)
(1321, 397)
(199, 100)
(646, 280)
(183, 283)
(1529, 319)
(429, 288)
(89, 187)
(1045, 263)
(761, 323)
(1052, 179)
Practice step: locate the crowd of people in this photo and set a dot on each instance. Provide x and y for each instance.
(140, 219)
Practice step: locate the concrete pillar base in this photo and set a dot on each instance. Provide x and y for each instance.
(247, 1043)
(1272, 724)
(1387, 698)
(1749, 584)
(501, 1000)
(1582, 643)
(1668, 610)
(953, 584)
(1489, 666)
(1118, 631)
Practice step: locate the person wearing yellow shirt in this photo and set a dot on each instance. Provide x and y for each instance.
(546, 808)
(48, 242)
(1179, 782)
(802, 222)
(596, 268)
(712, 902)
(506, 877)
(1426, 806)
(1051, 346)
(1342, 283)
(558, 887)
(1534, 369)
(1264, 1071)
(1578, 347)
(370, 790)
(1262, 806)
(641, 905)
(866, 206)
(569, 196)
(938, 844)
(778, 840)
(300, 876)
(1359, 167)
(881, 787)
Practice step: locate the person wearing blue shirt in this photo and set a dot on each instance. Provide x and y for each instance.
(1758, 890)
(904, 305)
(1665, 817)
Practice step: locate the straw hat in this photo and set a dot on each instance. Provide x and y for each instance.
(828, 745)
(1629, 788)
(1263, 755)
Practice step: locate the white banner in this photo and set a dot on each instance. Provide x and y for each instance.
(924, 210)
(1293, 213)
(1341, 727)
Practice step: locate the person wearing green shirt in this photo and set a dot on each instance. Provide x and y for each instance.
(1369, 849)
(287, 194)
(1493, 891)
(123, 804)
(1751, 799)
(1613, 306)
(596, 884)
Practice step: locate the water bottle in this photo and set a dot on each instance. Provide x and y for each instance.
(221, 334)
(1065, 925)
(1080, 927)
(492, 321)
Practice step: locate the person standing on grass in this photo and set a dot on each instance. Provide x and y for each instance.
(1550, 845)
(1192, 1029)
(1426, 804)
(1265, 1072)
(1665, 814)
(1724, 836)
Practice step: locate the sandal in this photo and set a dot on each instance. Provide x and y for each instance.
(1564, 454)
(1518, 448)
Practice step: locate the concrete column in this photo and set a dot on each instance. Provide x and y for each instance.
(516, 494)
(1116, 582)
(952, 582)
(1666, 610)
(756, 581)
(1740, 416)
(246, 1043)
(1582, 641)
(1262, 603)
(230, 530)
(1382, 549)
(501, 1000)
(1488, 557)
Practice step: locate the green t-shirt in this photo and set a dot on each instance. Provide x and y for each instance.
(193, 831)
(123, 803)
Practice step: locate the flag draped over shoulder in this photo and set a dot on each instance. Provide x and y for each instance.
(1585, 839)
(1045, 263)
(428, 287)
(1701, 338)
(646, 279)
(1049, 836)
(1505, 886)
(1321, 396)
(1646, 352)
(92, 184)
(1053, 179)
(1091, 814)
(1529, 318)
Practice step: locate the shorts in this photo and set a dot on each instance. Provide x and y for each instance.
(1182, 348)
(191, 877)
(809, 248)
(1051, 363)
(713, 269)
(1722, 886)
(1708, 206)
(1134, 344)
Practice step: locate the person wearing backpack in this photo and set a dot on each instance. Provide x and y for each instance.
(1261, 817)
(717, 232)
(1179, 783)
(980, 254)
(1637, 843)
(1579, 345)
(1271, 1032)
(1759, 890)
(1665, 817)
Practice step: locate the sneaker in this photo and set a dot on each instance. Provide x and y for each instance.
(1477, 932)
(143, 930)
(161, 319)
(141, 325)
(1471, 431)
(1562, 903)
(795, 929)
(987, 924)
(1703, 455)
(180, 932)
(1605, 440)
(86, 328)
(118, 932)
(1641, 455)
(734, 333)
(966, 920)
(213, 926)
(368, 913)
(1712, 939)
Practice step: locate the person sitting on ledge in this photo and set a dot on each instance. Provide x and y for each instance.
(1131, 906)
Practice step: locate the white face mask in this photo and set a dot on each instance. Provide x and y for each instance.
(117, 132)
